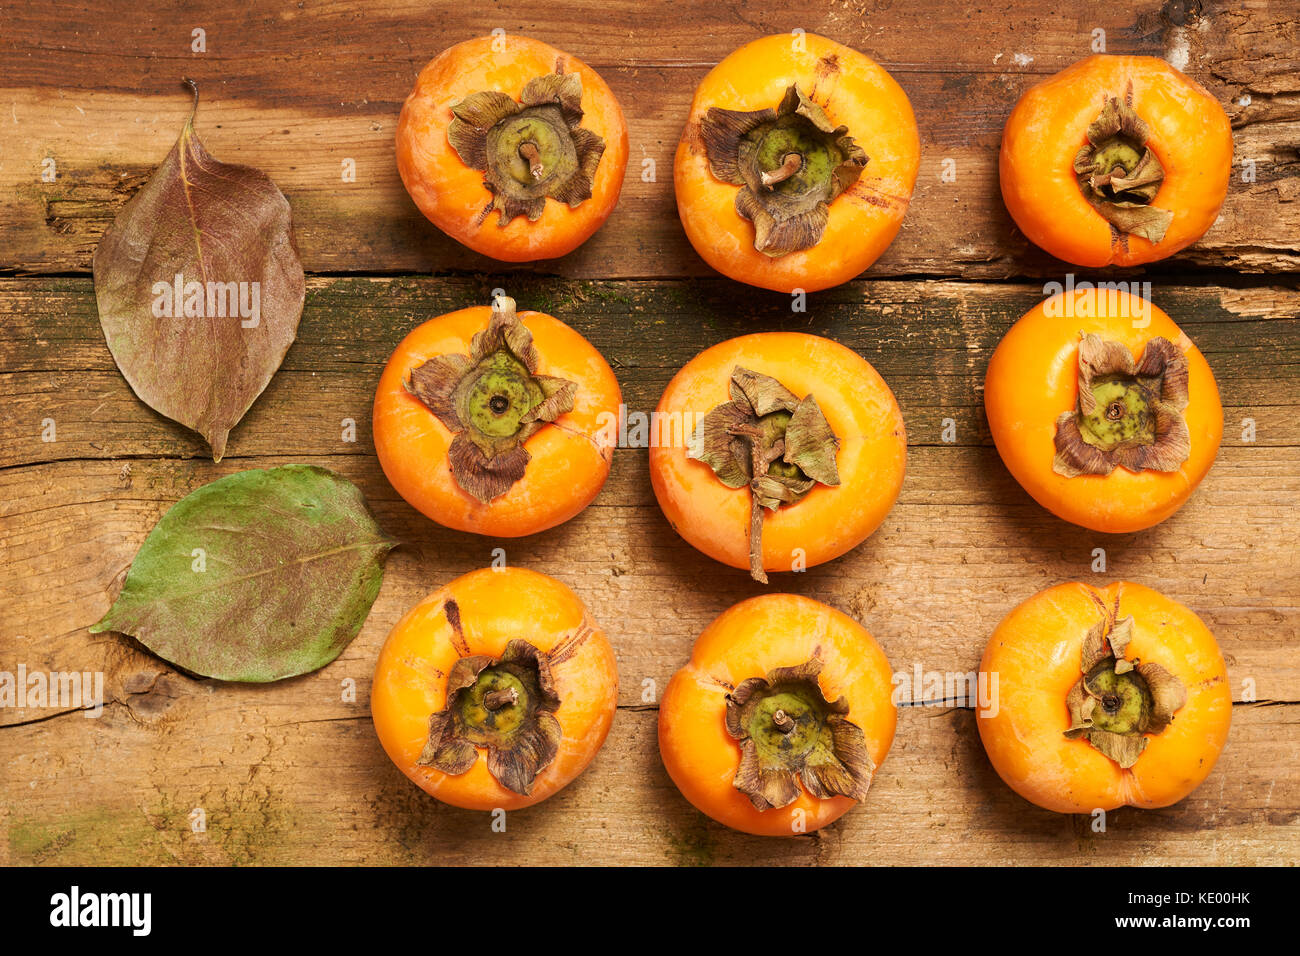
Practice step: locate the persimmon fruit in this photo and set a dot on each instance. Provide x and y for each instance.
(512, 147)
(1103, 410)
(810, 418)
(797, 163)
(495, 691)
(1116, 160)
(496, 422)
(780, 719)
(1103, 697)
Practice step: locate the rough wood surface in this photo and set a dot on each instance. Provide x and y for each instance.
(293, 773)
(298, 90)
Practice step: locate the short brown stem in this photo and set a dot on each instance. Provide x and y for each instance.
(790, 164)
(783, 721)
(497, 699)
(758, 467)
(534, 159)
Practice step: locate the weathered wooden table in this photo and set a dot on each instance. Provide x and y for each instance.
(293, 772)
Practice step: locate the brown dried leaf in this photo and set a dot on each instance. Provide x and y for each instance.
(200, 348)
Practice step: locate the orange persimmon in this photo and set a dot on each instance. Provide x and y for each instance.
(824, 428)
(1116, 159)
(512, 147)
(797, 163)
(495, 691)
(780, 719)
(1102, 698)
(494, 422)
(1102, 409)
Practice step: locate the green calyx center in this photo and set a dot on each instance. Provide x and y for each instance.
(791, 162)
(498, 396)
(793, 157)
(794, 739)
(1123, 701)
(532, 150)
(1122, 416)
(768, 439)
(1119, 703)
(1118, 157)
(1120, 174)
(492, 400)
(505, 706)
(787, 722)
(529, 149)
(772, 428)
(496, 705)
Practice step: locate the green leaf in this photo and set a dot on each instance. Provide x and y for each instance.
(258, 576)
(200, 288)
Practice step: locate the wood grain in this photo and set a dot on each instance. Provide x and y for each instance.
(292, 772)
(297, 91)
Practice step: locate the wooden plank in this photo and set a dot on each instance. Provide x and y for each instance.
(293, 773)
(931, 341)
(105, 104)
(308, 784)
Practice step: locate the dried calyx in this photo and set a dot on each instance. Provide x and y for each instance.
(505, 706)
(1128, 414)
(789, 734)
(766, 438)
(1120, 174)
(790, 162)
(530, 149)
(1117, 702)
(493, 400)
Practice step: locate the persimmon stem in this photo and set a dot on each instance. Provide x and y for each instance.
(497, 699)
(758, 468)
(783, 721)
(790, 164)
(534, 159)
